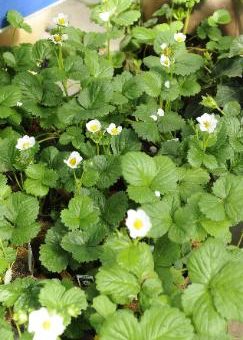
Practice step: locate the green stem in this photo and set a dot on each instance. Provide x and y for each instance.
(47, 138)
(205, 142)
(188, 14)
(2, 246)
(61, 67)
(97, 148)
(17, 181)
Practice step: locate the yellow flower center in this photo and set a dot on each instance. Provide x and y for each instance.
(206, 124)
(114, 131)
(26, 145)
(61, 21)
(57, 38)
(94, 128)
(138, 224)
(46, 325)
(179, 39)
(73, 161)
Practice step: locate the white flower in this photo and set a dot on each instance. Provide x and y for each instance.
(163, 46)
(179, 37)
(93, 126)
(44, 325)
(114, 130)
(73, 160)
(8, 276)
(58, 38)
(154, 117)
(105, 16)
(157, 193)
(25, 143)
(167, 84)
(61, 20)
(19, 104)
(138, 223)
(164, 60)
(160, 112)
(207, 122)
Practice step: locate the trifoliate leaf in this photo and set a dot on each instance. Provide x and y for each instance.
(66, 302)
(147, 131)
(80, 246)
(81, 213)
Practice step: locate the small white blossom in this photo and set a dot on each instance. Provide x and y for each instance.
(138, 223)
(44, 325)
(163, 46)
(154, 117)
(179, 37)
(153, 149)
(157, 193)
(61, 20)
(19, 104)
(167, 84)
(8, 276)
(160, 112)
(93, 126)
(25, 143)
(58, 38)
(165, 61)
(114, 130)
(105, 16)
(207, 122)
(73, 160)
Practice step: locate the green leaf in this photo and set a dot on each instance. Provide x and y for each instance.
(9, 59)
(80, 246)
(21, 211)
(39, 179)
(115, 208)
(166, 177)
(103, 305)
(125, 142)
(166, 252)
(187, 63)
(144, 35)
(207, 261)
(198, 302)
(147, 131)
(189, 86)
(6, 330)
(9, 96)
(94, 100)
(172, 121)
(122, 325)
(165, 323)
(184, 224)
(160, 215)
(227, 291)
(52, 255)
(212, 207)
(66, 302)
(16, 20)
(127, 18)
(117, 283)
(219, 17)
(151, 83)
(81, 213)
(138, 260)
(138, 168)
(109, 170)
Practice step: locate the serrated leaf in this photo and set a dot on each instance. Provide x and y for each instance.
(125, 142)
(117, 283)
(52, 255)
(127, 18)
(103, 305)
(115, 208)
(66, 302)
(147, 131)
(187, 63)
(166, 177)
(81, 213)
(151, 83)
(212, 207)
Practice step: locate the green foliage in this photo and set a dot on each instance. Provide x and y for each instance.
(138, 210)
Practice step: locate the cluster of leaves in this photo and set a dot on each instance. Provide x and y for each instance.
(189, 182)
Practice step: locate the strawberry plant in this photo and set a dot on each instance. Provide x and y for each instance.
(121, 179)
